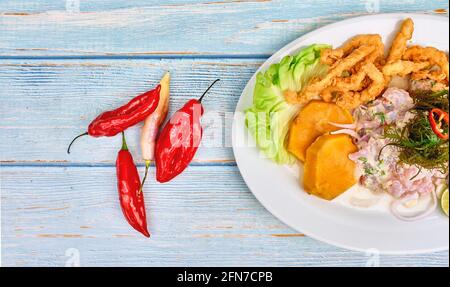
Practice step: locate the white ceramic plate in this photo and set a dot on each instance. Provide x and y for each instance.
(279, 190)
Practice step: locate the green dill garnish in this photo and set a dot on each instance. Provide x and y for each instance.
(363, 159)
(425, 100)
(368, 170)
(381, 116)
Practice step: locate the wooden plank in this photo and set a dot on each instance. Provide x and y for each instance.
(49, 211)
(48, 196)
(183, 28)
(45, 104)
(36, 6)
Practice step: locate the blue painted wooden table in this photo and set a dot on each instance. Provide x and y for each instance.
(62, 62)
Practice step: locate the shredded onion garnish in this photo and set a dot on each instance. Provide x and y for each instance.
(349, 132)
(344, 126)
(408, 197)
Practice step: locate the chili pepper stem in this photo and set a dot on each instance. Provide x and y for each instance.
(207, 90)
(124, 142)
(78, 136)
(147, 166)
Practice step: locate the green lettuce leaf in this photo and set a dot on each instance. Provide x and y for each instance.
(269, 118)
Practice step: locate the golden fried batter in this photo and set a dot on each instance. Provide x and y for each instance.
(430, 54)
(436, 76)
(332, 57)
(376, 87)
(350, 92)
(358, 71)
(366, 39)
(419, 62)
(398, 47)
(403, 68)
(352, 83)
(315, 88)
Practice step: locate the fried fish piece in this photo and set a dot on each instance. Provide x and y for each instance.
(365, 39)
(436, 76)
(352, 91)
(430, 54)
(315, 88)
(354, 82)
(331, 57)
(398, 47)
(403, 68)
(331, 93)
(376, 87)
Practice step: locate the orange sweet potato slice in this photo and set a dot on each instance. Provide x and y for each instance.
(328, 171)
(312, 122)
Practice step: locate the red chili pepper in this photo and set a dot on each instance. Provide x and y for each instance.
(179, 140)
(111, 123)
(129, 185)
(437, 127)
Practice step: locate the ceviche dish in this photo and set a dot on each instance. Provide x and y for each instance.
(362, 117)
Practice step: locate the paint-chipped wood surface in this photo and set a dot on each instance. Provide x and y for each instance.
(176, 28)
(61, 63)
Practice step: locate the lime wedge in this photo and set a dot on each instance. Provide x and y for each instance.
(444, 201)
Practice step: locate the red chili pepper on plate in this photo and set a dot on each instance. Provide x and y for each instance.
(111, 123)
(437, 126)
(179, 140)
(129, 185)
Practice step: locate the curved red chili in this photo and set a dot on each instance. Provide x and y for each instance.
(110, 123)
(129, 185)
(179, 140)
(437, 127)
